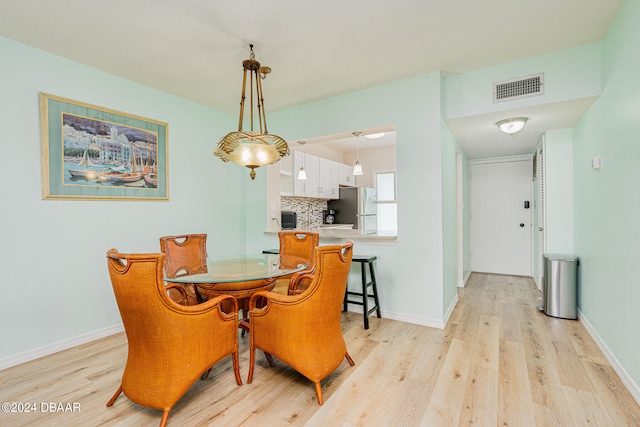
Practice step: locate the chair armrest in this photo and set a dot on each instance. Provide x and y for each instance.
(299, 282)
(261, 300)
(180, 290)
(207, 306)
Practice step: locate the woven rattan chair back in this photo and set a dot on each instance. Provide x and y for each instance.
(169, 346)
(304, 330)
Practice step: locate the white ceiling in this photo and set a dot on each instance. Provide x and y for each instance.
(195, 48)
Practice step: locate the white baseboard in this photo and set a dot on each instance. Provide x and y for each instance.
(463, 282)
(447, 315)
(608, 354)
(403, 317)
(55, 347)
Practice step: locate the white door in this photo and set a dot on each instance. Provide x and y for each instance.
(500, 222)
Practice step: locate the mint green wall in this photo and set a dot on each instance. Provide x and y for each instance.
(607, 202)
(55, 284)
(466, 214)
(558, 191)
(568, 74)
(410, 274)
(449, 219)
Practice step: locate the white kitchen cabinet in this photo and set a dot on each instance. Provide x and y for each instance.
(335, 180)
(304, 188)
(286, 176)
(323, 177)
(346, 176)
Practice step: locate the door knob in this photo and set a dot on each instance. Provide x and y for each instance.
(521, 224)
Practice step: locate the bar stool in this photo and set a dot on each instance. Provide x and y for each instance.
(365, 260)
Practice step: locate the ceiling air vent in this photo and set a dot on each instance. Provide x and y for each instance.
(518, 88)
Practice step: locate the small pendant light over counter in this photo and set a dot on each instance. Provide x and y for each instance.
(302, 174)
(357, 168)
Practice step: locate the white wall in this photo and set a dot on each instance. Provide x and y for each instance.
(55, 285)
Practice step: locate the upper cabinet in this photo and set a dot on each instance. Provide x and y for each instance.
(346, 177)
(323, 177)
(335, 180)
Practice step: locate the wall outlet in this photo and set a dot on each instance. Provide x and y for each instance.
(596, 163)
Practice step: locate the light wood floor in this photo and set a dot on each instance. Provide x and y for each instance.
(499, 362)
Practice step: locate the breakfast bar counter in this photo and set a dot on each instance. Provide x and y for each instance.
(340, 234)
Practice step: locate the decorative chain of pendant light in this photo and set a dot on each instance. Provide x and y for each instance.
(252, 148)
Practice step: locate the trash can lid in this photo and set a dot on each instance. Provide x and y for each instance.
(561, 257)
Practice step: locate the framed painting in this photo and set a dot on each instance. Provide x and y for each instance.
(90, 152)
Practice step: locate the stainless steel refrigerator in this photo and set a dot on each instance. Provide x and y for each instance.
(357, 206)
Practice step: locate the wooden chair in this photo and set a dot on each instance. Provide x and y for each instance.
(185, 254)
(301, 244)
(169, 345)
(303, 330)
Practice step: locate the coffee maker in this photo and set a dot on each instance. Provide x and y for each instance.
(328, 216)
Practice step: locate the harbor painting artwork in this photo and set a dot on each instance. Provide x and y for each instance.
(103, 153)
(94, 153)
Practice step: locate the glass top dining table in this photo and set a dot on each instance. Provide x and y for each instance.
(244, 268)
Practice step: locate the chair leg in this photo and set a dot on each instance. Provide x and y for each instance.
(319, 392)
(165, 417)
(242, 325)
(205, 375)
(349, 359)
(236, 368)
(115, 396)
(252, 361)
(269, 359)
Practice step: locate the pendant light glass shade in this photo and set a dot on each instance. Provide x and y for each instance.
(357, 169)
(302, 174)
(251, 148)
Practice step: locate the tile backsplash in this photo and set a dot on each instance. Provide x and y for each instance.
(309, 210)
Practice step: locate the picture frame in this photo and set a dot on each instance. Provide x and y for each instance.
(94, 153)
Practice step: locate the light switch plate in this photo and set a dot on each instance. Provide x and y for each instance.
(596, 163)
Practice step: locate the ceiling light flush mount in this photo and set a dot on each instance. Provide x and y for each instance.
(513, 125)
(252, 148)
(357, 169)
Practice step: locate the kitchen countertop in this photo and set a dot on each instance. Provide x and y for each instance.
(347, 234)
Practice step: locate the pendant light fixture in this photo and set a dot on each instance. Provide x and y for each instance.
(252, 148)
(357, 169)
(302, 174)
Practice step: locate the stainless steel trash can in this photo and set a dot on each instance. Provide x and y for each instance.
(560, 286)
